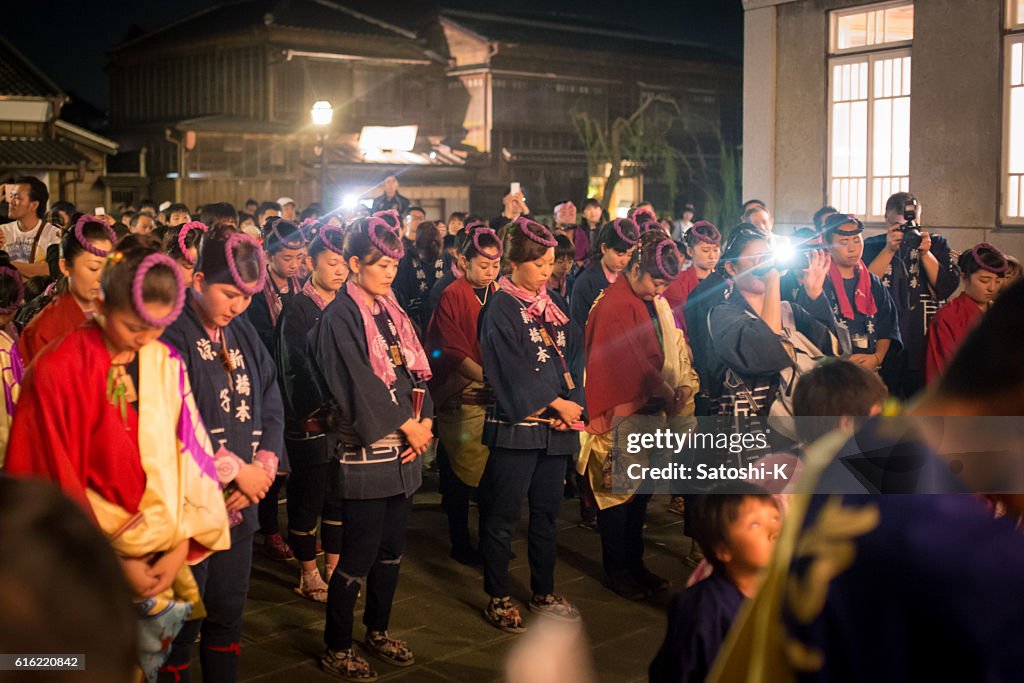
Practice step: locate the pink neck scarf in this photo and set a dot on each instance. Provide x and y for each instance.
(380, 359)
(863, 299)
(309, 290)
(540, 306)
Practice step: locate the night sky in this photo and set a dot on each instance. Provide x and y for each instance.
(69, 40)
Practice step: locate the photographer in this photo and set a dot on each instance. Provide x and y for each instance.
(919, 271)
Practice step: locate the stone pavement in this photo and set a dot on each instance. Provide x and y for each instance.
(439, 602)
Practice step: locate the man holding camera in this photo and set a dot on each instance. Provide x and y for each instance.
(920, 273)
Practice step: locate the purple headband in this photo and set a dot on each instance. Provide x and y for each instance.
(618, 222)
(86, 244)
(371, 231)
(390, 212)
(662, 245)
(183, 232)
(998, 270)
(476, 242)
(704, 231)
(137, 284)
(19, 295)
(528, 228)
(234, 240)
(324, 232)
(473, 224)
(292, 241)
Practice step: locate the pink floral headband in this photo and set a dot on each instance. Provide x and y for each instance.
(19, 295)
(662, 246)
(371, 230)
(618, 224)
(86, 244)
(480, 250)
(530, 229)
(233, 241)
(183, 232)
(137, 287)
(325, 232)
(996, 270)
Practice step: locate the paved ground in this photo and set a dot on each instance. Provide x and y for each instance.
(437, 608)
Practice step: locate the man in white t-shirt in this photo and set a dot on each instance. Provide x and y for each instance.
(27, 237)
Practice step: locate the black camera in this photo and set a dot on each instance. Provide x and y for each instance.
(911, 230)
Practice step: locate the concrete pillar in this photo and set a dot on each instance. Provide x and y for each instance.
(759, 36)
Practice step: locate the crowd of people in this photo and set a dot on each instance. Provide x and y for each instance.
(221, 357)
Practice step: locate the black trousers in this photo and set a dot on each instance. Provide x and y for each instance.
(455, 497)
(223, 580)
(622, 536)
(312, 482)
(510, 477)
(371, 555)
(268, 507)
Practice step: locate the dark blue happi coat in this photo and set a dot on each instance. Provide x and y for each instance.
(244, 414)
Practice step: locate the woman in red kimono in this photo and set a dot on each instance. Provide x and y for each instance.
(704, 247)
(982, 270)
(637, 364)
(458, 386)
(125, 440)
(83, 252)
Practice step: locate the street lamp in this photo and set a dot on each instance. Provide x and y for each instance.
(322, 114)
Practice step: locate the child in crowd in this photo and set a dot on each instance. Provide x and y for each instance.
(737, 527)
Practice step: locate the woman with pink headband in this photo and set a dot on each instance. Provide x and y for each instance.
(615, 243)
(182, 245)
(637, 364)
(375, 372)
(458, 386)
(235, 387)
(314, 467)
(533, 362)
(134, 454)
(83, 252)
(12, 296)
(982, 270)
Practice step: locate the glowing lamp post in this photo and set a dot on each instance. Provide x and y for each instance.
(322, 113)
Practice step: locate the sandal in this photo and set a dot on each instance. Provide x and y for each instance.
(346, 664)
(501, 613)
(389, 649)
(312, 587)
(276, 548)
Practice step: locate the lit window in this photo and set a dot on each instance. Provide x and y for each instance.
(1014, 131)
(869, 108)
(878, 26)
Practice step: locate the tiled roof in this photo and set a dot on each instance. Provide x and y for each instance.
(233, 16)
(19, 77)
(37, 153)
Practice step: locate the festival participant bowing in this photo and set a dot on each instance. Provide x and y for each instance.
(533, 362)
(236, 390)
(125, 440)
(704, 247)
(982, 270)
(82, 254)
(615, 244)
(638, 364)
(314, 467)
(182, 245)
(458, 385)
(860, 302)
(375, 371)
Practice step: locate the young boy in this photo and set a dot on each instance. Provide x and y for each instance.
(559, 280)
(737, 531)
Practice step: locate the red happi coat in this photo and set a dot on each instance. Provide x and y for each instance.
(58, 318)
(624, 357)
(678, 291)
(452, 337)
(947, 331)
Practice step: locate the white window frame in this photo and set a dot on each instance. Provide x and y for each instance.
(1015, 25)
(836, 15)
(870, 58)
